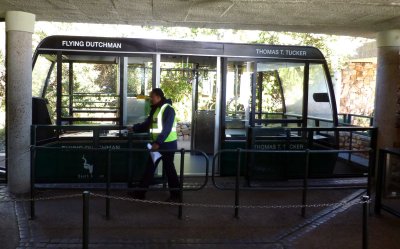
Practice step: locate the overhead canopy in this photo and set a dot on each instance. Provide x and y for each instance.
(344, 17)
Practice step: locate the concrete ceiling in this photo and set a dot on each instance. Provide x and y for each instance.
(344, 17)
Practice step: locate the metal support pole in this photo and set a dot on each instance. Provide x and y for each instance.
(379, 181)
(71, 90)
(305, 184)
(181, 175)
(350, 146)
(32, 202)
(365, 200)
(163, 177)
(59, 88)
(130, 161)
(108, 175)
(237, 185)
(85, 222)
(372, 159)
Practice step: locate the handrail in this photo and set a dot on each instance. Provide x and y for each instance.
(333, 129)
(355, 115)
(347, 118)
(83, 127)
(380, 182)
(181, 188)
(218, 155)
(128, 150)
(93, 94)
(305, 186)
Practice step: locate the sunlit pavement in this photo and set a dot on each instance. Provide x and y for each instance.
(58, 223)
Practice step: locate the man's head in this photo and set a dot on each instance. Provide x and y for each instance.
(156, 96)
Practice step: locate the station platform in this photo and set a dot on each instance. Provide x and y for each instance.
(58, 223)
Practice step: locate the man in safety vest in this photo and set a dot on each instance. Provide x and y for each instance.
(161, 124)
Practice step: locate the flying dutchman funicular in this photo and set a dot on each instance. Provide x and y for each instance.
(243, 96)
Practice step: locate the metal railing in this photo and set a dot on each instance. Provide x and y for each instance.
(381, 180)
(107, 187)
(238, 187)
(86, 197)
(348, 118)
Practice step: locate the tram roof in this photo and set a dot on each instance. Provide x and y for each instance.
(129, 46)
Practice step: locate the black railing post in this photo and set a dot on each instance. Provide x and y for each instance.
(237, 185)
(32, 193)
(85, 221)
(365, 200)
(181, 176)
(305, 184)
(372, 159)
(130, 161)
(108, 183)
(350, 146)
(379, 181)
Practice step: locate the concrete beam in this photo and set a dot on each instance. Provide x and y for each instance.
(388, 38)
(19, 29)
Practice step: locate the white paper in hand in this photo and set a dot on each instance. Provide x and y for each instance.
(154, 155)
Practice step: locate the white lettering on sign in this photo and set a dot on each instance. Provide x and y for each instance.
(284, 52)
(296, 52)
(268, 51)
(278, 146)
(104, 146)
(72, 43)
(89, 44)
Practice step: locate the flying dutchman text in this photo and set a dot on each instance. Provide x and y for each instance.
(90, 44)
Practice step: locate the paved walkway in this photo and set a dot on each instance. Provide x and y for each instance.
(9, 232)
(133, 225)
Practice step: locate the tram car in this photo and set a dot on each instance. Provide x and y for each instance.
(88, 90)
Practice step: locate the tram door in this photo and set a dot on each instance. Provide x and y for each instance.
(238, 92)
(190, 82)
(204, 98)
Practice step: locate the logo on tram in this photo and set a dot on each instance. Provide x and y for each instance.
(88, 168)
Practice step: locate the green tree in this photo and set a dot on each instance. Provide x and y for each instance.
(106, 78)
(178, 87)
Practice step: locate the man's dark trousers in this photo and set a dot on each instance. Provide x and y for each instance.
(169, 167)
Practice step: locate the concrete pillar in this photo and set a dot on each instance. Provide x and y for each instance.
(19, 29)
(387, 100)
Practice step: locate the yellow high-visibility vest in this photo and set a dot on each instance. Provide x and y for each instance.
(156, 125)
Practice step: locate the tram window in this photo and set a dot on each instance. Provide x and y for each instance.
(238, 92)
(139, 76)
(139, 85)
(42, 70)
(269, 101)
(282, 91)
(177, 78)
(185, 77)
(92, 91)
(292, 77)
(319, 106)
(207, 82)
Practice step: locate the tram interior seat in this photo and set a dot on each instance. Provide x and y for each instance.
(41, 116)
